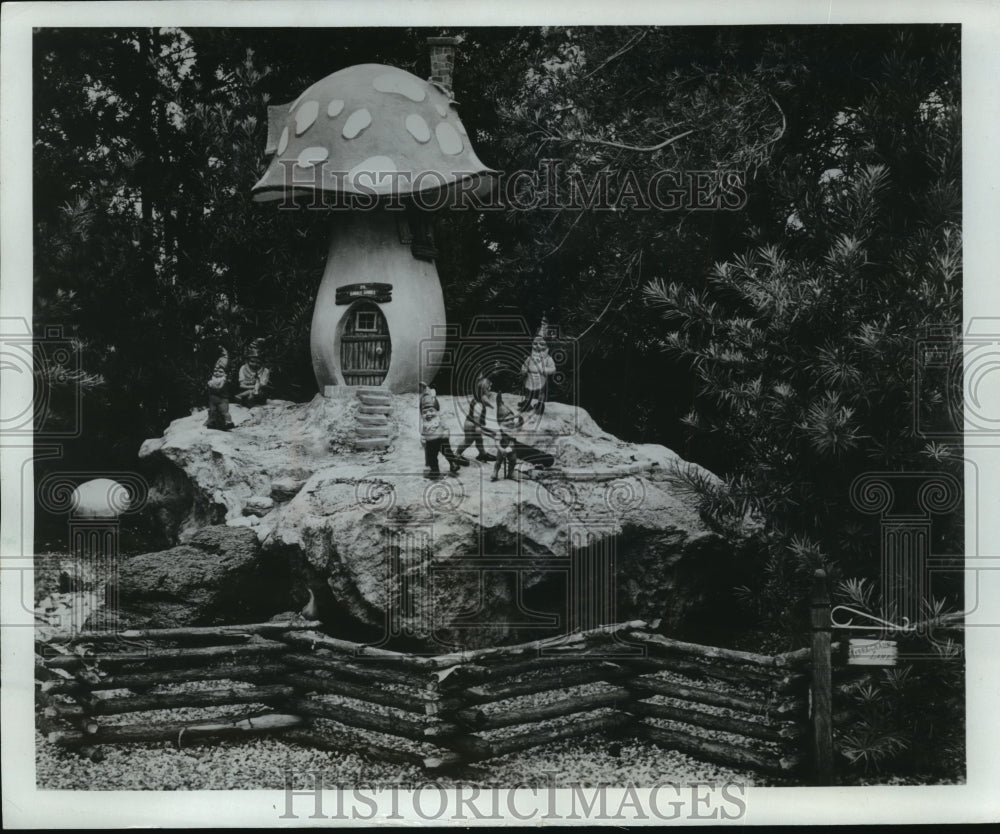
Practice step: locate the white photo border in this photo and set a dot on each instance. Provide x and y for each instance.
(25, 806)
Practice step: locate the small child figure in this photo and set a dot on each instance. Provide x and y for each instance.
(218, 396)
(254, 378)
(435, 439)
(475, 421)
(482, 386)
(506, 456)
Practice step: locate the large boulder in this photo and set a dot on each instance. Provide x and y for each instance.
(203, 476)
(219, 576)
(599, 535)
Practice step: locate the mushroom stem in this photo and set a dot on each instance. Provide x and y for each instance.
(373, 247)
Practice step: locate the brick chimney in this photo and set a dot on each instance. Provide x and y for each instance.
(443, 60)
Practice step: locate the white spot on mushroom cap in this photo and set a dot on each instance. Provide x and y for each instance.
(396, 82)
(305, 116)
(334, 107)
(283, 141)
(448, 139)
(418, 127)
(442, 110)
(311, 155)
(356, 122)
(368, 174)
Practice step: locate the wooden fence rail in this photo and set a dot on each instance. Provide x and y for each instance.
(738, 708)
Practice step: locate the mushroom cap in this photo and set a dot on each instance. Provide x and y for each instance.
(370, 129)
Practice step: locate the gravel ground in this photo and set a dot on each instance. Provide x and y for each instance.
(262, 764)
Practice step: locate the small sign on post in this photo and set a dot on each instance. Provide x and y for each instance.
(861, 652)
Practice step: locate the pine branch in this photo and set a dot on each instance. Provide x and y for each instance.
(630, 45)
(586, 140)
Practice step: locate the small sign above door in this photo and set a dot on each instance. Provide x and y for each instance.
(379, 293)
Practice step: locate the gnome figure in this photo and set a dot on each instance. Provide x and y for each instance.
(218, 396)
(254, 378)
(428, 398)
(536, 370)
(435, 439)
(473, 426)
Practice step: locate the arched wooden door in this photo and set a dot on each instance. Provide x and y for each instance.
(365, 347)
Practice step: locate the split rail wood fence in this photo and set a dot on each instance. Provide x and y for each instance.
(624, 681)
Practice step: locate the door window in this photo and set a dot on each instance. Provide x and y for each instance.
(365, 321)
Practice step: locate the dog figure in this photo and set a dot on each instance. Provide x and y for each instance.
(506, 456)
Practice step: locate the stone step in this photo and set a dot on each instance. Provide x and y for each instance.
(374, 409)
(372, 443)
(374, 397)
(372, 431)
(375, 401)
(372, 419)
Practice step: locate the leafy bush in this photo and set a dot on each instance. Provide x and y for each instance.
(803, 347)
(907, 719)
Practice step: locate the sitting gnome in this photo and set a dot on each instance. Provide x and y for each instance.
(218, 396)
(253, 378)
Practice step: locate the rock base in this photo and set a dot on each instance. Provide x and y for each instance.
(599, 535)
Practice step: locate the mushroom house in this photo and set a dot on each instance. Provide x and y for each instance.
(381, 149)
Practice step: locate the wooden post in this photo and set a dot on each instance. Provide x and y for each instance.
(821, 702)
